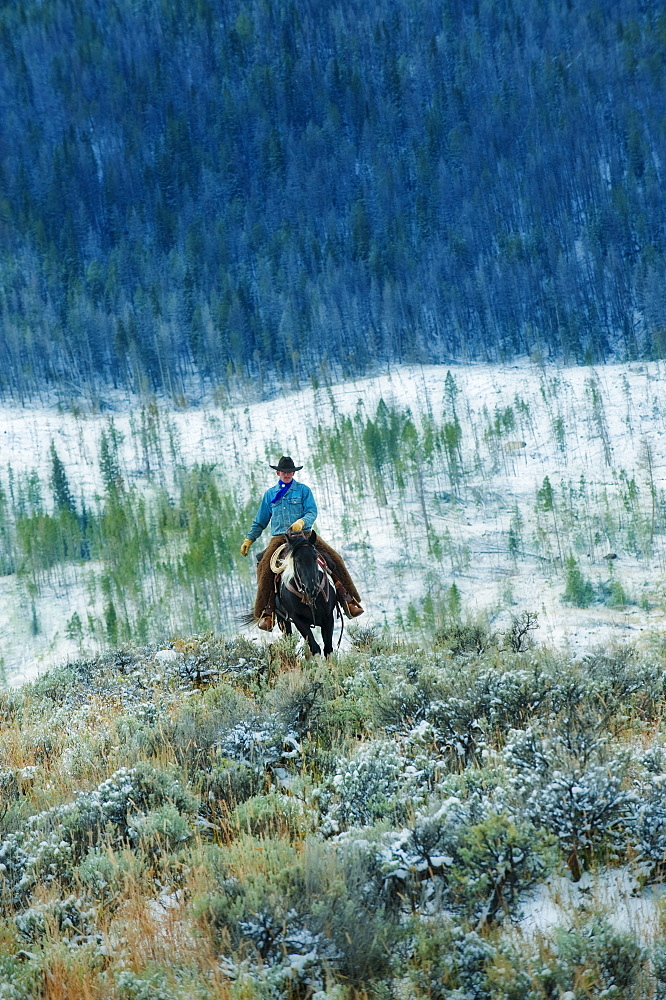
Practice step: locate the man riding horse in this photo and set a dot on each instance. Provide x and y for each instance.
(290, 506)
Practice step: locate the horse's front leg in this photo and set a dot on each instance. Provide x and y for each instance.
(315, 649)
(306, 631)
(285, 625)
(327, 635)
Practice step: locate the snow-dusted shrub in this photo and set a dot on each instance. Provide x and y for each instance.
(102, 874)
(352, 883)
(323, 903)
(619, 675)
(573, 742)
(194, 733)
(659, 970)
(468, 709)
(297, 702)
(141, 730)
(9, 790)
(27, 860)
(366, 787)
(51, 860)
(527, 753)
(19, 980)
(650, 830)
(428, 758)
(495, 860)
(276, 948)
(52, 841)
(513, 974)
(404, 699)
(150, 985)
(259, 746)
(596, 960)
(15, 784)
(585, 810)
(11, 706)
(160, 830)
(449, 962)
(447, 959)
(53, 686)
(14, 859)
(507, 698)
(71, 919)
(294, 961)
(583, 804)
(608, 683)
(474, 856)
(205, 659)
(460, 732)
(458, 637)
(128, 791)
(198, 669)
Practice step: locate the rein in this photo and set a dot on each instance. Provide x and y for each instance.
(323, 586)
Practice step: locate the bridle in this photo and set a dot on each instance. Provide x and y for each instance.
(280, 562)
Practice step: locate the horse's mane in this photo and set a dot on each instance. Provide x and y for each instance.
(287, 573)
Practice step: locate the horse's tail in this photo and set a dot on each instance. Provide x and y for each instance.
(246, 619)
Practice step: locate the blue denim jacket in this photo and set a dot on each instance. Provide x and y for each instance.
(297, 502)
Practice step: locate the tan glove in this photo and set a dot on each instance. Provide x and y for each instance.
(245, 547)
(298, 525)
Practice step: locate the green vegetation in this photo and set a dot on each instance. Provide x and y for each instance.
(145, 549)
(300, 820)
(578, 591)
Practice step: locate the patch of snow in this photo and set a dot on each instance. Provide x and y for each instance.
(167, 655)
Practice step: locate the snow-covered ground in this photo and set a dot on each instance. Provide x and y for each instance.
(614, 893)
(606, 425)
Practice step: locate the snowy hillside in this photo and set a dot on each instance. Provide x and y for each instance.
(496, 812)
(517, 484)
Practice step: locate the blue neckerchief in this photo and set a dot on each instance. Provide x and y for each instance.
(281, 492)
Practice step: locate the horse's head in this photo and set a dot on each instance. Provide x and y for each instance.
(307, 571)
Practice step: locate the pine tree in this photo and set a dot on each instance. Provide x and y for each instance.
(62, 495)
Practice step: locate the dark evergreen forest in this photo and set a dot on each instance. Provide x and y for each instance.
(216, 188)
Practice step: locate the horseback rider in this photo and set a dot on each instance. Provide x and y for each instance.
(290, 505)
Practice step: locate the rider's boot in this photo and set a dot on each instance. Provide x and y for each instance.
(349, 604)
(267, 621)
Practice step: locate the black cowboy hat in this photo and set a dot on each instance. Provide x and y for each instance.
(286, 464)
